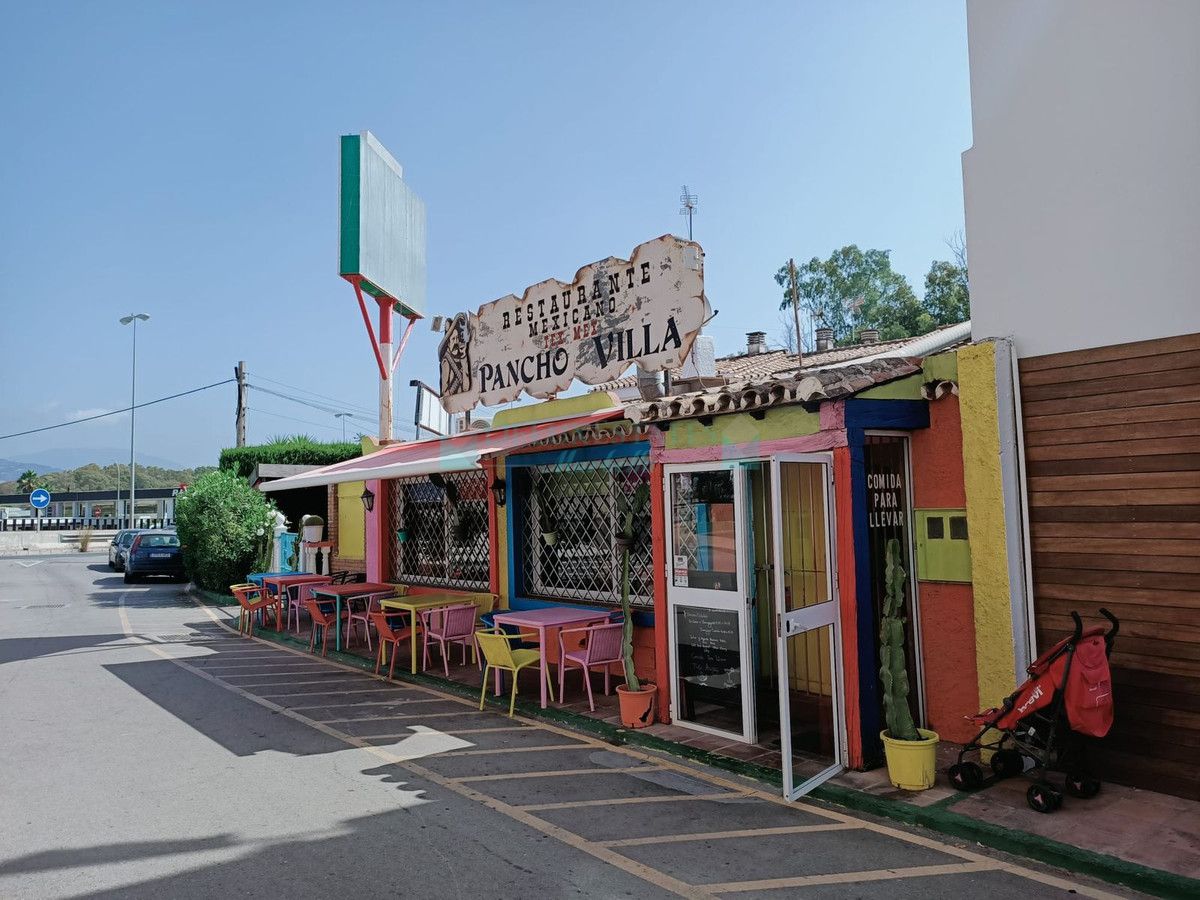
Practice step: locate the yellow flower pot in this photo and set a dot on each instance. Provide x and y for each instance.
(911, 765)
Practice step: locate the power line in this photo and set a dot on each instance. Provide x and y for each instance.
(267, 412)
(332, 410)
(359, 407)
(116, 412)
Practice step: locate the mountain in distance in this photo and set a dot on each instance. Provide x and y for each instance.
(73, 458)
(97, 478)
(11, 470)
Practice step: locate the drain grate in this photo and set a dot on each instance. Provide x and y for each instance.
(46, 606)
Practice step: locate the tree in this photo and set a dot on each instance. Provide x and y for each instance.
(27, 482)
(225, 527)
(947, 295)
(855, 289)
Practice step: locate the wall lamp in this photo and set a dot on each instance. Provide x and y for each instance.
(499, 493)
(368, 499)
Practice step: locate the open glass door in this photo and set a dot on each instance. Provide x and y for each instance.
(712, 683)
(807, 626)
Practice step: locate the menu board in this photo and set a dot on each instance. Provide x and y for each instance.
(709, 654)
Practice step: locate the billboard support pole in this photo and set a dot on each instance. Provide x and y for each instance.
(384, 355)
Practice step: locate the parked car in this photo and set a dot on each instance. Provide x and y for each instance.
(120, 546)
(154, 553)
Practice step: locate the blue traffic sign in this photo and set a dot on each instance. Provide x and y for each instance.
(40, 498)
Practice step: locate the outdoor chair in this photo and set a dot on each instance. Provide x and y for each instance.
(489, 622)
(601, 647)
(498, 654)
(338, 577)
(392, 628)
(294, 606)
(323, 619)
(447, 625)
(253, 602)
(361, 614)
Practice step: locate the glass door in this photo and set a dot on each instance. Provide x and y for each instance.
(807, 625)
(712, 677)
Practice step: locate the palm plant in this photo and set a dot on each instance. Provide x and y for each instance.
(27, 481)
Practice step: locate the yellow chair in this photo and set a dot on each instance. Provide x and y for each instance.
(499, 654)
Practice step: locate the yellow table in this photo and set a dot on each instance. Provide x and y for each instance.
(413, 605)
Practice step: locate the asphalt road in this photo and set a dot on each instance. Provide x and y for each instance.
(149, 752)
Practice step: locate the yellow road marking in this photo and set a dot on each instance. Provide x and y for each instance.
(378, 690)
(720, 835)
(766, 884)
(514, 750)
(734, 790)
(458, 731)
(655, 798)
(646, 873)
(556, 774)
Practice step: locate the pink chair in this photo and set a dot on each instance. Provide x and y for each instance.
(601, 647)
(362, 615)
(449, 625)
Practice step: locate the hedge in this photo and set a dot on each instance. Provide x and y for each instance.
(226, 528)
(293, 451)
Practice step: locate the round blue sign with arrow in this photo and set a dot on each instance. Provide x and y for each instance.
(40, 498)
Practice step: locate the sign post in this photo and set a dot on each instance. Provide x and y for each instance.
(39, 500)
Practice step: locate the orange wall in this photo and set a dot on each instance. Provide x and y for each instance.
(947, 610)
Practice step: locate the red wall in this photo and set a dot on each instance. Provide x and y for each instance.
(947, 610)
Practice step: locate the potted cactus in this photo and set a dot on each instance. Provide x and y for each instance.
(311, 528)
(635, 697)
(911, 751)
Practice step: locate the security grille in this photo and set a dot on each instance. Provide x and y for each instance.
(445, 518)
(578, 503)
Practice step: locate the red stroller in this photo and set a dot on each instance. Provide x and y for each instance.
(1067, 699)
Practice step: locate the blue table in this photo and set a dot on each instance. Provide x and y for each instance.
(257, 577)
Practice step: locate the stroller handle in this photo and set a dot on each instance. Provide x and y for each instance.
(1078, 636)
(1111, 634)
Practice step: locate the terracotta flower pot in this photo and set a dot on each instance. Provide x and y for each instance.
(637, 707)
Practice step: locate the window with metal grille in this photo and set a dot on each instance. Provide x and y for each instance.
(568, 525)
(444, 522)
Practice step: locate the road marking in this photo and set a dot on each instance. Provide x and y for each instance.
(458, 731)
(30, 565)
(556, 774)
(378, 690)
(575, 746)
(720, 835)
(646, 873)
(766, 884)
(522, 814)
(656, 798)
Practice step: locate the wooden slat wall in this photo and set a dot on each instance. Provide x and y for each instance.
(1112, 438)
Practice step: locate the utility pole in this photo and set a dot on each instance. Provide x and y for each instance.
(239, 372)
(796, 309)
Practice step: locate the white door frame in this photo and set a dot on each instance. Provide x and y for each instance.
(820, 615)
(735, 601)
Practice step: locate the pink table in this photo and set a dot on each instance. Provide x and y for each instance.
(543, 620)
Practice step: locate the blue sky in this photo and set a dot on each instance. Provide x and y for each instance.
(181, 160)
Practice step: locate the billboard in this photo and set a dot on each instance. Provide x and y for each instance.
(614, 314)
(382, 233)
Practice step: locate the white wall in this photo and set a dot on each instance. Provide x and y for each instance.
(1083, 185)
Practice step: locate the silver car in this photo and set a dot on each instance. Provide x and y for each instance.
(119, 547)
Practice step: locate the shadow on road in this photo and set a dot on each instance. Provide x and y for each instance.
(17, 649)
(78, 857)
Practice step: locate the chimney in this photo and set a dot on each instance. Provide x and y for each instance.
(756, 342)
(869, 336)
(824, 339)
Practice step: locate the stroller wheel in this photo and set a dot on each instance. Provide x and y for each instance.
(1082, 786)
(1043, 798)
(1007, 763)
(966, 776)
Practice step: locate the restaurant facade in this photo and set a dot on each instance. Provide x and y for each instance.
(756, 573)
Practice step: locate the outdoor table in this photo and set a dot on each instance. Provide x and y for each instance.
(549, 617)
(348, 592)
(257, 577)
(414, 604)
(283, 584)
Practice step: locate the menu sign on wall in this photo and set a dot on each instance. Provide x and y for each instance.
(616, 313)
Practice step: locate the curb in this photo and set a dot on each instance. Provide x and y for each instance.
(937, 817)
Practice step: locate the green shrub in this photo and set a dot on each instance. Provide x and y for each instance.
(296, 450)
(225, 527)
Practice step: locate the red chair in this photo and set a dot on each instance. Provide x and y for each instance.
(449, 625)
(321, 619)
(253, 601)
(601, 647)
(392, 628)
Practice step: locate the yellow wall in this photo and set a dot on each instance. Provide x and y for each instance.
(351, 534)
(985, 522)
(783, 422)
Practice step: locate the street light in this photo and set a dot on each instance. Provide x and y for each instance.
(125, 320)
(342, 416)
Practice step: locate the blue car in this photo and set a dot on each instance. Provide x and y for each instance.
(154, 553)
